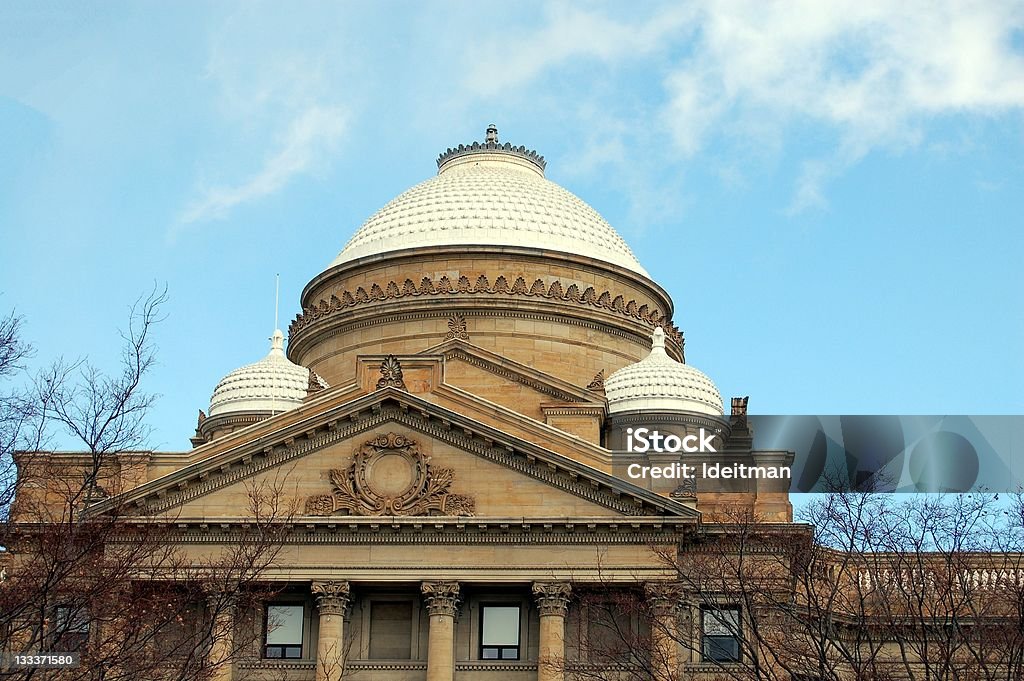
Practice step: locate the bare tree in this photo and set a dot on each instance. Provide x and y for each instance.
(872, 587)
(113, 585)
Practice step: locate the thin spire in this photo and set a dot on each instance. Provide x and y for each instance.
(277, 296)
(276, 341)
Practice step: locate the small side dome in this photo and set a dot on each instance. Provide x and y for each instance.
(659, 383)
(272, 384)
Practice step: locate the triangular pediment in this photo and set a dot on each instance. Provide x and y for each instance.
(465, 362)
(473, 470)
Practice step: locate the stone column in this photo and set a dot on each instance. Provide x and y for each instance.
(222, 605)
(553, 601)
(332, 600)
(442, 601)
(663, 599)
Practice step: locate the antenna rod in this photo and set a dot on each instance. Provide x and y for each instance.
(277, 299)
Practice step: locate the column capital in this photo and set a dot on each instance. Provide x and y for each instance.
(219, 597)
(552, 597)
(442, 598)
(663, 597)
(332, 597)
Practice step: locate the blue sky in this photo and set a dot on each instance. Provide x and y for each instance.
(833, 193)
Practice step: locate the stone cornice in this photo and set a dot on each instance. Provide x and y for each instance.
(572, 410)
(309, 530)
(383, 406)
(524, 256)
(491, 148)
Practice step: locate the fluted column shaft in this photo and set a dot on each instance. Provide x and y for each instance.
(442, 601)
(553, 602)
(222, 605)
(332, 600)
(664, 603)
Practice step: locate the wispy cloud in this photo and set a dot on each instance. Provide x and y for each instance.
(314, 132)
(277, 97)
(862, 75)
(870, 74)
(569, 32)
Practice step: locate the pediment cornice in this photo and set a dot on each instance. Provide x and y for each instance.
(319, 430)
(515, 371)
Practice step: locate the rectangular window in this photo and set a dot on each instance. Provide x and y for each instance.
(611, 634)
(499, 632)
(70, 629)
(284, 626)
(390, 630)
(720, 629)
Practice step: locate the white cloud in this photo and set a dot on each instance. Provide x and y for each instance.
(873, 73)
(314, 132)
(866, 74)
(514, 58)
(274, 77)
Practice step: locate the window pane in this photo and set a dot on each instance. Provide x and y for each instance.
(284, 624)
(391, 630)
(70, 620)
(501, 625)
(721, 649)
(723, 622)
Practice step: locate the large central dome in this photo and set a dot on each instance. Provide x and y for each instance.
(490, 195)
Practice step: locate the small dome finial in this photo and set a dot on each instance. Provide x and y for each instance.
(277, 343)
(492, 134)
(658, 341)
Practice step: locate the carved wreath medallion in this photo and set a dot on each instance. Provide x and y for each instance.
(390, 476)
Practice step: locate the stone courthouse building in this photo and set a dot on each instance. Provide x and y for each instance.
(450, 418)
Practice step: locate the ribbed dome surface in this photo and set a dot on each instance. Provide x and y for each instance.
(490, 199)
(659, 383)
(271, 384)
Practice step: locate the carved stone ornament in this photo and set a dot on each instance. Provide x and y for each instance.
(687, 489)
(441, 598)
(597, 385)
(390, 476)
(332, 598)
(202, 417)
(663, 598)
(316, 384)
(554, 290)
(552, 597)
(391, 374)
(457, 327)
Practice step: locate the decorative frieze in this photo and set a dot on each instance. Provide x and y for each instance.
(552, 597)
(491, 145)
(444, 286)
(332, 597)
(389, 476)
(441, 598)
